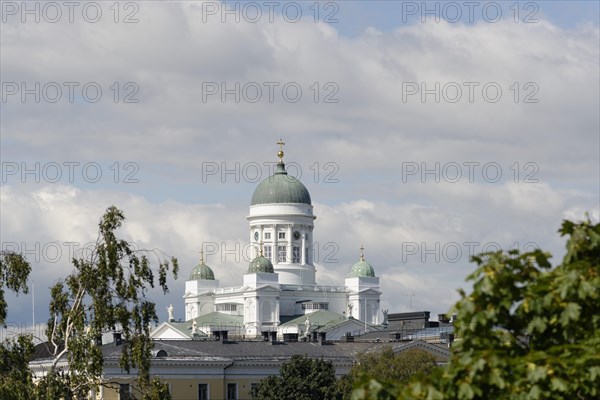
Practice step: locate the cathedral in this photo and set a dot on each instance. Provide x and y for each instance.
(279, 291)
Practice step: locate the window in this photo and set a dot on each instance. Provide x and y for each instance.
(267, 235)
(281, 253)
(296, 254)
(227, 307)
(315, 306)
(124, 391)
(306, 259)
(281, 235)
(268, 253)
(232, 391)
(203, 391)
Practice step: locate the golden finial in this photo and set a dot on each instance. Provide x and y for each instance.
(281, 143)
(362, 252)
(261, 248)
(201, 256)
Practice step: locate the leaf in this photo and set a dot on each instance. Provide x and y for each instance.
(465, 391)
(570, 313)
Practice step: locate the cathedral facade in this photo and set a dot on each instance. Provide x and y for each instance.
(279, 292)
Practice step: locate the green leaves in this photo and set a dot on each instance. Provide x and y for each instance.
(105, 292)
(14, 271)
(527, 330)
(301, 378)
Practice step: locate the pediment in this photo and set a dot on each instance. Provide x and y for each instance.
(166, 331)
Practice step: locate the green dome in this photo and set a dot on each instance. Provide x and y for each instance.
(280, 188)
(260, 264)
(362, 269)
(202, 271)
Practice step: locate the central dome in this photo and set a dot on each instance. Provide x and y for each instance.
(280, 188)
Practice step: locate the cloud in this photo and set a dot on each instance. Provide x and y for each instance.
(352, 154)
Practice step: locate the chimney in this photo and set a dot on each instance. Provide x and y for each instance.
(450, 339)
(322, 337)
(117, 338)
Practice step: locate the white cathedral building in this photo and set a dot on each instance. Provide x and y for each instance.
(279, 292)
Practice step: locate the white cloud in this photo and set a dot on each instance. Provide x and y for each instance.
(171, 134)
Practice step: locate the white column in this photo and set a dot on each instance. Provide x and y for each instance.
(303, 248)
(289, 244)
(275, 253)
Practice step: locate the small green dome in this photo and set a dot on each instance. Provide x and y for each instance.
(260, 264)
(280, 188)
(202, 271)
(362, 268)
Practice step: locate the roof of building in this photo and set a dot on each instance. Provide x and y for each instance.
(320, 320)
(362, 268)
(185, 328)
(326, 321)
(280, 188)
(215, 351)
(202, 271)
(261, 264)
(216, 319)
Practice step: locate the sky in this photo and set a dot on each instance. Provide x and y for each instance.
(426, 132)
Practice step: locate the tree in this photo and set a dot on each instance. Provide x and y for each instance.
(390, 367)
(301, 378)
(14, 272)
(529, 330)
(15, 377)
(106, 291)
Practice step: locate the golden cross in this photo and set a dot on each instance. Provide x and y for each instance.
(201, 255)
(362, 255)
(261, 248)
(281, 143)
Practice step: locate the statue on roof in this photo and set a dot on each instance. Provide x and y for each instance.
(307, 326)
(385, 317)
(170, 312)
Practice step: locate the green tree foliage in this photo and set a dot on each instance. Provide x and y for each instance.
(301, 378)
(389, 368)
(529, 330)
(106, 291)
(15, 354)
(15, 377)
(14, 271)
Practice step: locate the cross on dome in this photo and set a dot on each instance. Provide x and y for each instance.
(281, 143)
